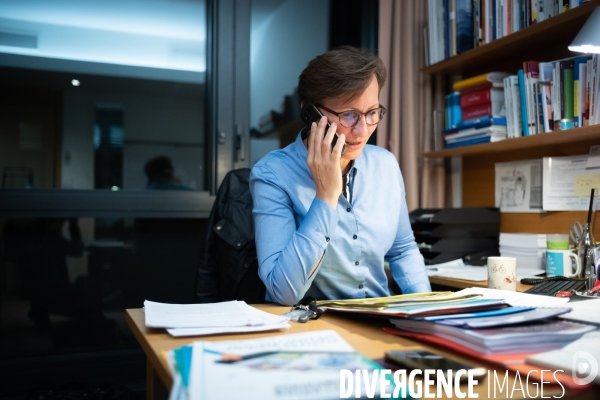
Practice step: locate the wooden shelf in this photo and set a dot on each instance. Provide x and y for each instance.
(527, 142)
(541, 42)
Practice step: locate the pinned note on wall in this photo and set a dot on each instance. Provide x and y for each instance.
(585, 183)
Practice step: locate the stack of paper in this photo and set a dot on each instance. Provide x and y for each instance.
(458, 270)
(418, 304)
(210, 319)
(525, 327)
(535, 336)
(528, 248)
(296, 366)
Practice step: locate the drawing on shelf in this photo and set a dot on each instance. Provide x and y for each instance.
(519, 186)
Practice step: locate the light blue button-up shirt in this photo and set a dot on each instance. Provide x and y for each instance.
(296, 232)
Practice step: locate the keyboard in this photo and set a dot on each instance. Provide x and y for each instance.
(550, 287)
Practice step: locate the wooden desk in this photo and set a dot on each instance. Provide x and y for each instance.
(462, 284)
(365, 335)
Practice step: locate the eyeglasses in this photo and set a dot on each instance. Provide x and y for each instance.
(350, 118)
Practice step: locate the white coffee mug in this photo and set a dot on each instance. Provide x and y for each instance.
(502, 273)
(563, 263)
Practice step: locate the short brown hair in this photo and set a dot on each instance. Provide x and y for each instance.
(342, 72)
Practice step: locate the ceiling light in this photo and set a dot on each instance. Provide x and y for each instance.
(75, 82)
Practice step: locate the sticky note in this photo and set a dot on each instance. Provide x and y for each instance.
(585, 183)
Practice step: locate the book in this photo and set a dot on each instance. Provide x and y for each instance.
(475, 132)
(484, 96)
(579, 77)
(447, 22)
(523, 103)
(546, 70)
(489, 138)
(452, 36)
(436, 34)
(475, 123)
(508, 103)
(464, 26)
(476, 88)
(595, 105)
(499, 19)
(566, 68)
(482, 110)
(516, 106)
(477, 23)
(556, 95)
(586, 102)
(453, 111)
(494, 77)
(593, 93)
(531, 74)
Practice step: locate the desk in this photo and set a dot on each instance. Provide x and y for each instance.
(365, 336)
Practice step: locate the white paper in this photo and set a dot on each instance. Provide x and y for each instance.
(517, 299)
(328, 340)
(569, 356)
(560, 174)
(181, 332)
(226, 314)
(311, 373)
(458, 270)
(519, 186)
(593, 161)
(587, 311)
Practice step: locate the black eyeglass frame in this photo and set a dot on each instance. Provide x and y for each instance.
(361, 115)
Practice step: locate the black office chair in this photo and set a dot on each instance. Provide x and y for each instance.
(228, 265)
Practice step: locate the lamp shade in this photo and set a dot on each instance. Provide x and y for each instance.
(588, 38)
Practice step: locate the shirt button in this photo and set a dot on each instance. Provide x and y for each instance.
(356, 263)
(348, 209)
(360, 286)
(327, 238)
(354, 237)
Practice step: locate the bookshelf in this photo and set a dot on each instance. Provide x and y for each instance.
(549, 139)
(545, 41)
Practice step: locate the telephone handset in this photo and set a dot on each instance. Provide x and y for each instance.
(309, 114)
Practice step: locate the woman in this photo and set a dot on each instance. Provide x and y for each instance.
(326, 221)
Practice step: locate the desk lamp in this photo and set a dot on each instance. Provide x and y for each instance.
(588, 38)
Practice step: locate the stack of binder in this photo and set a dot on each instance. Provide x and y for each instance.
(453, 233)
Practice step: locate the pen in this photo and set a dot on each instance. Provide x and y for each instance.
(232, 358)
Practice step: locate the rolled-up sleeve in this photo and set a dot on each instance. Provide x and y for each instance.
(288, 255)
(406, 262)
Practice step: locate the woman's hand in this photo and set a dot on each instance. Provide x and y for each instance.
(324, 164)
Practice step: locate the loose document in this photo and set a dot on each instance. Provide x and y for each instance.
(209, 319)
(295, 366)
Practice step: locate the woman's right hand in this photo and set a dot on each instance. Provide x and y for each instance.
(324, 164)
